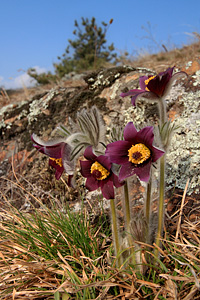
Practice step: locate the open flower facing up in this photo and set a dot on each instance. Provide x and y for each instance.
(59, 155)
(97, 170)
(154, 87)
(135, 153)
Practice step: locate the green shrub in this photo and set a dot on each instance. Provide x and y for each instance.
(88, 50)
(42, 78)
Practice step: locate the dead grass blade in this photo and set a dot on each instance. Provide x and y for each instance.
(181, 210)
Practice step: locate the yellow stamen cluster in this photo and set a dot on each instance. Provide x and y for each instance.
(147, 81)
(138, 153)
(104, 173)
(58, 161)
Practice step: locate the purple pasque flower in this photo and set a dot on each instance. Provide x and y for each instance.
(97, 170)
(59, 155)
(135, 153)
(154, 87)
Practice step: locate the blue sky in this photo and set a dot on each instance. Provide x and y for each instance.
(34, 32)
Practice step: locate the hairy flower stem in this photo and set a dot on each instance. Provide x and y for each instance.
(147, 208)
(162, 111)
(163, 119)
(128, 221)
(148, 201)
(147, 212)
(115, 232)
(161, 203)
(127, 208)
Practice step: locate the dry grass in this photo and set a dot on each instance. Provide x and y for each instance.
(39, 259)
(158, 62)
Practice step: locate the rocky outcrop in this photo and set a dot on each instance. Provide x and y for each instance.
(43, 112)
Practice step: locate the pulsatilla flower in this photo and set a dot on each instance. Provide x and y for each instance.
(135, 153)
(97, 170)
(154, 87)
(59, 155)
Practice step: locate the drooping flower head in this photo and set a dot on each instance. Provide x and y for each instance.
(59, 155)
(135, 153)
(154, 86)
(97, 170)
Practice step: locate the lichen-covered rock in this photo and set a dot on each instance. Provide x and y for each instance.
(42, 114)
(183, 158)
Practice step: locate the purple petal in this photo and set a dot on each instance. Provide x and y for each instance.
(131, 93)
(158, 84)
(126, 171)
(129, 170)
(142, 82)
(156, 153)
(143, 172)
(59, 170)
(66, 159)
(145, 136)
(51, 148)
(55, 149)
(104, 161)
(175, 77)
(88, 154)
(134, 93)
(86, 168)
(92, 184)
(169, 72)
(118, 151)
(107, 189)
(116, 181)
(39, 148)
(52, 151)
(144, 94)
(58, 174)
(55, 152)
(130, 132)
(134, 98)
(40, 142)
(156, 87)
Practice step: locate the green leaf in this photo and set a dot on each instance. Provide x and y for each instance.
(65, 296)
(57, 296)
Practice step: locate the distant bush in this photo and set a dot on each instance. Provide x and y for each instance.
(42, 78)
(89, 50)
